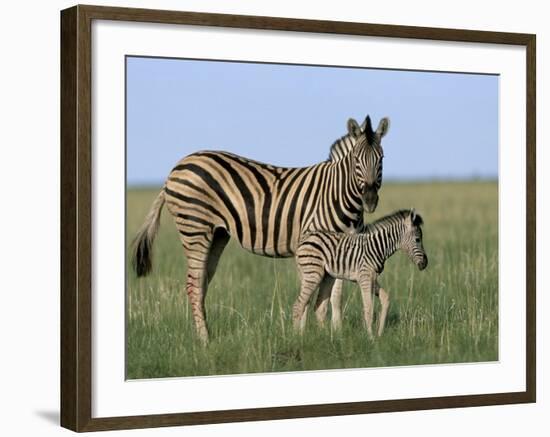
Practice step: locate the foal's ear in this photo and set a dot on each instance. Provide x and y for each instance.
(383, 127)
(416, 219)
(353, 128)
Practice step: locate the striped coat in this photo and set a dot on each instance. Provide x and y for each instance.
(322, 257)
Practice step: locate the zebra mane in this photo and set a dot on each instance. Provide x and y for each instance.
(392, 219)
(341, 147)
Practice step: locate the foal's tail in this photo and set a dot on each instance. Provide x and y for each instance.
(142, 247)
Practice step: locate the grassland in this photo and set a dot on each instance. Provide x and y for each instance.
(445, 314)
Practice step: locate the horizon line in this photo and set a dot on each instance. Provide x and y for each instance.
(145, 185)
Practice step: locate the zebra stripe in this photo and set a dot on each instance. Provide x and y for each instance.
(322, 257)
(213, 195)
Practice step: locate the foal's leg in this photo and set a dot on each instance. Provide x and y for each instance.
(336, 304)
(321, 306)
(323, 297)
(385, 304)
(310, 282)
(366, 282)
(303, 320)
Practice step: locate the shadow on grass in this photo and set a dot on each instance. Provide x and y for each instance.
(284, 358)
(393, 319)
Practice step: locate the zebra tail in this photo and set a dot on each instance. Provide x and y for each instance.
(142, 247)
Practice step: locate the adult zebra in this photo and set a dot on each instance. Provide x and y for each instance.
(214, 195)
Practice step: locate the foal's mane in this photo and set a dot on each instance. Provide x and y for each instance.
(392, 219)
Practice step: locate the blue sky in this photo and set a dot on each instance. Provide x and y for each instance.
(443, 125)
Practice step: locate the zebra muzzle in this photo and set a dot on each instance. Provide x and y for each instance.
(370, 200)
(423, 263)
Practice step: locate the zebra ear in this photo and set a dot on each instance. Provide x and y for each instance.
(416, 220)
(353, 128)
(383, 127)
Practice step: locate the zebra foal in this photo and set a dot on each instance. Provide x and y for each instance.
(323, 257)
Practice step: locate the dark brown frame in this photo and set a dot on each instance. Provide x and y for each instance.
(76, 218)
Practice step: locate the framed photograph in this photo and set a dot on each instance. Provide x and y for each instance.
(267, 218)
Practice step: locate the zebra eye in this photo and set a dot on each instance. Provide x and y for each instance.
(417, 240)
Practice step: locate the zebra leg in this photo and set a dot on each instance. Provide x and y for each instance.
(303, 319)
(197, 246)
(310, 283)
(336, 304)
(324, 289)
(220, 240)
(366, 282)
(385, 304)
(321, 305)
(196, 292)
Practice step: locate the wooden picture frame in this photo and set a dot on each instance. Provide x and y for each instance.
(76, 217)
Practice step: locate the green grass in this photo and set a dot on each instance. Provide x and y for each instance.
(445, 314)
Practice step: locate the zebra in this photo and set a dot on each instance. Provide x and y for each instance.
(322, 257)
(213, 195)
